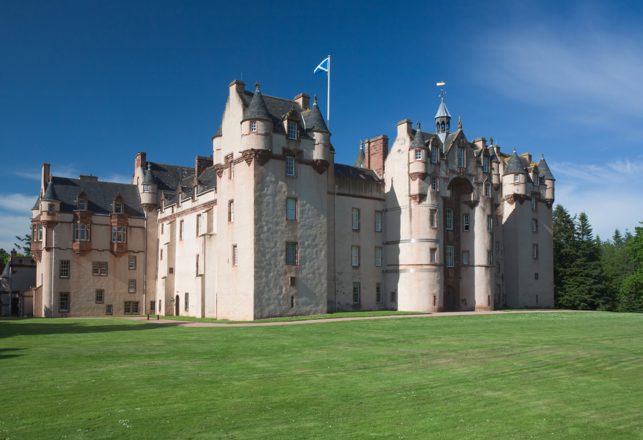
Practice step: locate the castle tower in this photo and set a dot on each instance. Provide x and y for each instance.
(417, 156)
(514, 178)
(442, 120)
(256, 125)
(548, 179)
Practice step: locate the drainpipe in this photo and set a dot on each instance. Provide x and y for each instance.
(53, 254)
(145, 310)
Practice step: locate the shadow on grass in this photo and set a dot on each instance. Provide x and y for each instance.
(46, 327)
(6, 353)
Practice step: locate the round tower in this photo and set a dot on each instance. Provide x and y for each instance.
(514, 178)
(149, 189)
(548, 177)
(417, 159)
(315, 123)
(256, 125)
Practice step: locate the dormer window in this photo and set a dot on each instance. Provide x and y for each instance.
(118, 206)
(147, 188)
(460, 157)
(486, 164)
(253, 126)
(81, 204)
(292, 130)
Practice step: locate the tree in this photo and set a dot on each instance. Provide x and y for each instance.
(4, 258)
(564, 249)
(23, 246)
(630, 294)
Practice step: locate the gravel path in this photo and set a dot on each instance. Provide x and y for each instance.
(329, 320)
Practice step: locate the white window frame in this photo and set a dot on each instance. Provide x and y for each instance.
(418, 154)
(119, 234)
(253, 126)
(379, 221)
(450, 256)
(449, 219)
(64, 269)
(355, 219)
(291, 166)
(379, 256)
(291, 209)
(355, 256)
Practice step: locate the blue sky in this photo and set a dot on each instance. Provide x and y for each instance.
(85, 85)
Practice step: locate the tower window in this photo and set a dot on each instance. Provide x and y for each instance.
(434, 183)
(418, 154)
(433, 255)
(292, 130)
(449, 219)
(465, 222)
(292, 251)
(450, 256)
(290, 166)
(460, 157)
(253, 126)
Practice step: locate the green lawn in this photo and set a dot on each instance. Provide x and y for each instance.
(514, 376)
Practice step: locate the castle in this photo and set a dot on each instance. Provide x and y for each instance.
(269, 225)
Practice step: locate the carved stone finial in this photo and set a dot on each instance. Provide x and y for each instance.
(315, 100)
(257, 87)
(459, 123)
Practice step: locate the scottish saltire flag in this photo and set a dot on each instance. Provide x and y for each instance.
(323, 66)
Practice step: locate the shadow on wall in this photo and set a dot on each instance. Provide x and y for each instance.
(48, 327)
(392, 253)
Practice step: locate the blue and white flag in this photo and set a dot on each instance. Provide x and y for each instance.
(323, 66)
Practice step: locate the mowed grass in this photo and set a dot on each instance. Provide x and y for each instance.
(514, 376)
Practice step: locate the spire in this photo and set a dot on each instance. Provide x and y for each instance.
(50, 193)
(418, 140)
(359, 162)
(442, 119)
(543, 169)
(257, 107)
(314, 119)
(514, 165)
(148, 179)
(459, 123)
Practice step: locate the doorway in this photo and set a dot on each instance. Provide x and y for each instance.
(177, 305)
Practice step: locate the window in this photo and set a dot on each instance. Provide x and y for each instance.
(131, 286)
(64, 302)
(434, 154)
(486, 162)
(131, 262)
(292, 130)
(63, 270)
(82, 204)
(465, 258)
(450, 256)
(81, 232)
(118, 206)
(131, 307)
(100, 296)
(357, 293)
(418, 154)
(355, 256)
(465, 222)
(378, 256)
(235, 255)
(186, 300)
(253, 126)
(291, 168)
(535, 275)
(109, 309)
(292, 282)
(460, 157)
(490, 223)
(153, 306)
(198, 224)
(161, 254)
(99, 268)
(162, 228)
(36, 232)
(355, 219)
(291, 209)
(489, 258)
(231, 211)
(230, 165)
(119, 234)
(50, 207)
(378, 221)
(534, 225)
(449, 219)
(435, 183)
(433, 255)
(292, 251)
(197, 265)
(393, 296)
(534, 251)
(181, 223)
(147, 188)
(487, 189)
(534, 203)
(516, 178)
(433, 218)
(292, 301)
(378, 293)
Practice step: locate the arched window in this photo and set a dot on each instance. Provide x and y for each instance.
(442, 126)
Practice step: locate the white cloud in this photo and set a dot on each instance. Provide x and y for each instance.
(19, 202)
(609, 193)
(118, 178)
(12, 226)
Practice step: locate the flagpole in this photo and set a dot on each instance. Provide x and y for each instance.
(328, 95)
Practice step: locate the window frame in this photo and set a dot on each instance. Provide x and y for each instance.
(489, 223)
(99, 296)
(534, 251)
(131, 308)
(119, 234)
(355, 219)
(66, 302)
(379, 221)
(461, 161)
(379, 256)
(131, 262)
(291, 166)
(235, 255)
(292, 130)
(418, 154)
(291, 211)
(357, 293)
(466, 222)
(466, 261)
(449, 220)
(100, 268)
(64, 269)
(534, 225)
(355, 256)
(450, 256)
(433, 255)
(292, 253)
(253, 126)
(231, 211)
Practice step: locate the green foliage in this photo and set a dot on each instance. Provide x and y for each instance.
(23, 245)
(4, 257)
(630, 296)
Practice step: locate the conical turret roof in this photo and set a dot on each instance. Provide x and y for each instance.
(315, 120)
(50, 192)
(257, 107)
(418, 141)
(543, 169)
(148, 179)
(359, 162)
(514, 165)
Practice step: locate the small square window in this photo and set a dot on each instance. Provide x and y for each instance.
(99, 268)
(253, 126)
(418, 154)
(100, 296)
(118, 206)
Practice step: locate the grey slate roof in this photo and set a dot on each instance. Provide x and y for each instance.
(50, 192)
(207, 179)
(168, 177)
(418, 139)
(277, 109)
(544, 171)
(515, 165)
(100, 195)
(359, 162)
(314, 119)
(442, 110)
(257, 107)
(349, 172)
(148, 178)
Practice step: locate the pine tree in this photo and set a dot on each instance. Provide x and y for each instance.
(564, 250)
(630, 295)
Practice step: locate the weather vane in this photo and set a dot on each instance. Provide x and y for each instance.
(443, 93)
